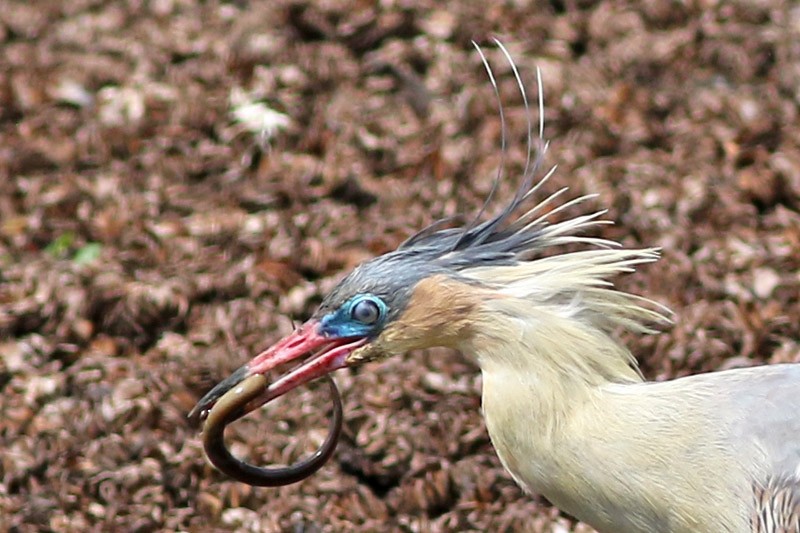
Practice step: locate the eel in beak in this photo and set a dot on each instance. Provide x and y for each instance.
(248, 389)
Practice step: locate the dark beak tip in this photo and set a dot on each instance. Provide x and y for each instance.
(200, 411)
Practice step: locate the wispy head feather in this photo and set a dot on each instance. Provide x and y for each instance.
(503, 239)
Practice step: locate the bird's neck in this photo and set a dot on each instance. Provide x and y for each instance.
(554, 352)
(540, 367)
(539, 372)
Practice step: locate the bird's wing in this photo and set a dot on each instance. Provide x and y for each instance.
(767, 417)
(766, 407)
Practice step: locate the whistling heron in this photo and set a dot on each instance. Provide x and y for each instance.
(565, 405)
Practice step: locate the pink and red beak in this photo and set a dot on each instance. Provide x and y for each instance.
(329, 354)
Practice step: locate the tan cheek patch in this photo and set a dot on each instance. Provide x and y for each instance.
(439, 309)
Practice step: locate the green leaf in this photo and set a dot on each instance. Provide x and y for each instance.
(88, 253)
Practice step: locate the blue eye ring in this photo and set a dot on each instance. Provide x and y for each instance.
(367, 310)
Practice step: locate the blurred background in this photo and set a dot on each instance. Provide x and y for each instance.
(181, 180)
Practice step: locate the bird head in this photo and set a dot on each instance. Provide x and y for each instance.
(396, 303)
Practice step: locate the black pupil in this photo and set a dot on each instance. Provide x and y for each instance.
(366, 312)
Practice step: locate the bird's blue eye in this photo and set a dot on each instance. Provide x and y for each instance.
(360, 316)
(366, 311)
